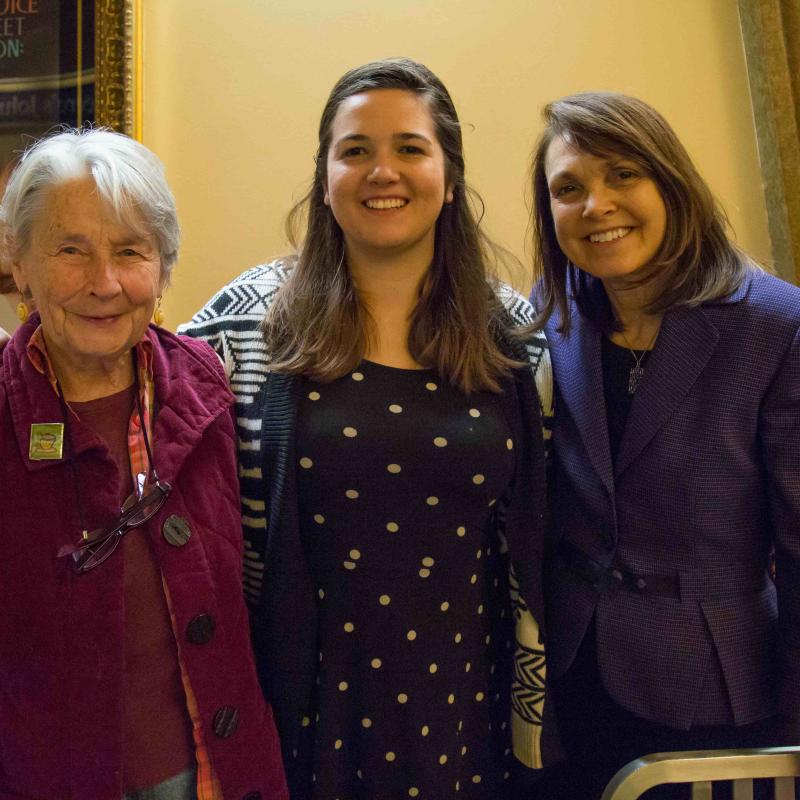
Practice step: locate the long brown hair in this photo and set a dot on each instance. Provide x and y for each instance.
(697, 260)
(317, 325)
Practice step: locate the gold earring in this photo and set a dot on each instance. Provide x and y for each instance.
(23, 312)
(158, 314)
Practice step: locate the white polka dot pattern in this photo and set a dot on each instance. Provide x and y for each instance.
(397, 474)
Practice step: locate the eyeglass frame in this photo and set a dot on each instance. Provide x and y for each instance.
(84, 554)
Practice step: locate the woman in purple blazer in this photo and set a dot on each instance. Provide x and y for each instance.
(676, 453)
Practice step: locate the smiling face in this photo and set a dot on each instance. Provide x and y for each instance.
(609, 216)
(94, 281)
(386, 175)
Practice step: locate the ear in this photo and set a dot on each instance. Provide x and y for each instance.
(14, 261)
(325, 196)
(448, 193)
(19, 277)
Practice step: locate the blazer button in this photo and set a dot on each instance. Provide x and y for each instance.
(226, 721)
(253, 796)
(201, 629)
(176, 530)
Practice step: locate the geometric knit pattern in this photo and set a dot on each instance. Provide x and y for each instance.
(527, 682)
(529, 669)
(528, 690)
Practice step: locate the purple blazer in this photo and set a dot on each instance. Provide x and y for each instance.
(707, 481)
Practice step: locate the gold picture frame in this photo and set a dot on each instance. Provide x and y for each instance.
(98, 83)
(118, 65)
(73, 63)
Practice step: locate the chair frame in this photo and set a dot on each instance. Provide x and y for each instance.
(702, 767)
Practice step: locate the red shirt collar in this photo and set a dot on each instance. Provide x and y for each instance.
(38, 356)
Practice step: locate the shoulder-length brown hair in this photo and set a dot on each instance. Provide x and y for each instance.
(696, 261)
(317, 325)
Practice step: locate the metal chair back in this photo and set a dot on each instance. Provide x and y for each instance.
(702, 768)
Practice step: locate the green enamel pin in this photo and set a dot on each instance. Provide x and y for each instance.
(47, 441)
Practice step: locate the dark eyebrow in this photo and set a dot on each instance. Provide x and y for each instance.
(411, 135)
(405, 136)
(354, 137)
(563, 175)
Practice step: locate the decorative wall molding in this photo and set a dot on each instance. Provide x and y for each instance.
(118, 55)
(771, 33)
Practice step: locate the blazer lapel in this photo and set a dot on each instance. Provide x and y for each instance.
(578, 372)
(685, 344)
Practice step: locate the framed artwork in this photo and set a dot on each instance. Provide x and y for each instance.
(66, 63)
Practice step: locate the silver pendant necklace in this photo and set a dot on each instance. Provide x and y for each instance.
(636, 372)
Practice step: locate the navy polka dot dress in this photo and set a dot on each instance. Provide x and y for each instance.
(399, 475)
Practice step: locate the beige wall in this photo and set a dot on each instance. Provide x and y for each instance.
(7, 318)
(233, 93)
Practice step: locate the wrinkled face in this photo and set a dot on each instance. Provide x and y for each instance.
(94, 281)
(386, 174)
(609, 216)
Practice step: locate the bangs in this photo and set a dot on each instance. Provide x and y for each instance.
(606, 146)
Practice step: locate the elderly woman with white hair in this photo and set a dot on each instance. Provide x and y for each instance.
(125, 664)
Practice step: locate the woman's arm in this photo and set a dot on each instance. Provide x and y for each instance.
(780, 448)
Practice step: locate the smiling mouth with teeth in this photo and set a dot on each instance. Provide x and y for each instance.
(609, 236)
(381, 203)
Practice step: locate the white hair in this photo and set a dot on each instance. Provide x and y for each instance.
(128, 176)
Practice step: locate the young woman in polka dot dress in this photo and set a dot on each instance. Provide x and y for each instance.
(392, 465)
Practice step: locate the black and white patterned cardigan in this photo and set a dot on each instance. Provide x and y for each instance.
(230, 323)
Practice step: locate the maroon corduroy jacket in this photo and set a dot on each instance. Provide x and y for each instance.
(61, 634)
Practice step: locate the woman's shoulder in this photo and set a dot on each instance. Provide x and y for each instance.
(241, 304)
(774, 295)
(196, 354)
(231, 320)
(763, 308)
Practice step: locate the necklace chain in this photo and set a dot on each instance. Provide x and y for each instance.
(636, 372)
